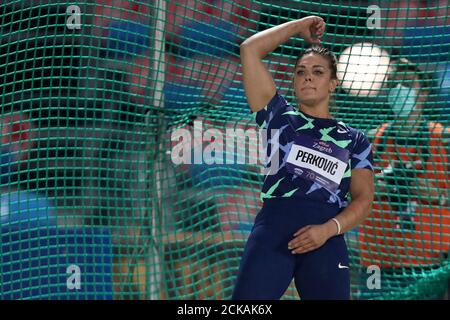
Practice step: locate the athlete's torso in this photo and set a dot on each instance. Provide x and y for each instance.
(285, 125)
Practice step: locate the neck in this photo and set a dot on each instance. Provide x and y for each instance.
(320, 110)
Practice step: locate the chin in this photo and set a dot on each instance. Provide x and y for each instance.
(308, 101)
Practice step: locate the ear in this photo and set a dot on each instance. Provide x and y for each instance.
(333, 84)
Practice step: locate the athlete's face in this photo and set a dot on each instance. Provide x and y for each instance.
(313, 82)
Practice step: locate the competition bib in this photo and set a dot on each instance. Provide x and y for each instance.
(318, 161)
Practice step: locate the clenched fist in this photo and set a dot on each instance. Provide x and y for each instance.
(312, 29)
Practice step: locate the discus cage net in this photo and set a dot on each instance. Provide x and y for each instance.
(100, 98)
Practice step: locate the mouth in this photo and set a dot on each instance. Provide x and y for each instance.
(307, 88)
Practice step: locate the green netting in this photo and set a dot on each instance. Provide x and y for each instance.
(96, 97)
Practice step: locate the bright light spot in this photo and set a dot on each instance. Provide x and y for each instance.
(362, 69)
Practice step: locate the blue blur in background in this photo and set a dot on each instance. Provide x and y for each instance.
(34, 263)
(214, 39)
(7, 165)
(26, 209)
(216, 175)
(182, 96)
(427, 43)
(126, 38)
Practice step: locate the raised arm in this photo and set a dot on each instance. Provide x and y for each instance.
(259, 85)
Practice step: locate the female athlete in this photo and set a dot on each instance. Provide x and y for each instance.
(298, 233)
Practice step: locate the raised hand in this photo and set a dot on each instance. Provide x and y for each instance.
(312, 29)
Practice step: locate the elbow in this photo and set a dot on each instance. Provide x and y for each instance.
(244, 44)
(368, 195)
(367, 203)
(367, 210)
(247, 43)
(245, 47)
(254, 108)
(248, 47)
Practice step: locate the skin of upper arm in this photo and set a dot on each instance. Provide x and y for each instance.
(362, 185)
(259, 85)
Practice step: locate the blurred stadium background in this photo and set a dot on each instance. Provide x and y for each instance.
(90, 95)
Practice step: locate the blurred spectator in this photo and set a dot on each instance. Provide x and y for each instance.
(408, 231)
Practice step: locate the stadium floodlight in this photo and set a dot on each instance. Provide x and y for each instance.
(362, 69)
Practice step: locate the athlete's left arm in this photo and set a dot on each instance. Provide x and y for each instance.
(312, 237)
(362, 192)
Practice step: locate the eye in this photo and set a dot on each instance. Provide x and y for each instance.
(300, 72)
(319, 72)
